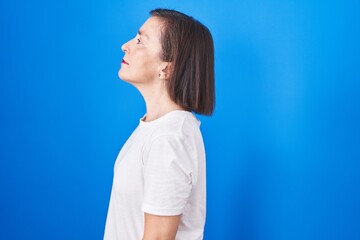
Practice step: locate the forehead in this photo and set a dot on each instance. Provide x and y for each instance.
(151, 28)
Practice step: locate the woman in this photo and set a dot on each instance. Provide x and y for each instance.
(159, 187)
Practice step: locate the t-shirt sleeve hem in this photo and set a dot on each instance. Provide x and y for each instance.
(161, 211)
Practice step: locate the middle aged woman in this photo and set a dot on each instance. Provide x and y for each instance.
(159, 186)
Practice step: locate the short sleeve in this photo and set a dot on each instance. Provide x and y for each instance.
(168, 176)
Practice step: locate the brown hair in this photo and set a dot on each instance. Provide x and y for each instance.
(188, 45)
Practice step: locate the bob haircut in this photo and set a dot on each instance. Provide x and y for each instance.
(188, 45)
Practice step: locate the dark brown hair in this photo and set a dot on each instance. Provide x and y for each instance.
(188, 45)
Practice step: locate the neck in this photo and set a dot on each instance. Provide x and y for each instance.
(158, 102)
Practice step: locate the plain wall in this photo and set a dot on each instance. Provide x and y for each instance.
(283, 146)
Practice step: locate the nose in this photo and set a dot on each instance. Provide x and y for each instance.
(125, 47)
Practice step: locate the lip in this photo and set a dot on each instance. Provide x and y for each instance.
(123, 61)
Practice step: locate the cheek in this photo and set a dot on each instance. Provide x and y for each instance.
(146, 62)
(143, 58)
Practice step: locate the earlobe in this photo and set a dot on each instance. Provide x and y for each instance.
(165, 71)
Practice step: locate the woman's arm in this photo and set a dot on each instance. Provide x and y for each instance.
(160, 227)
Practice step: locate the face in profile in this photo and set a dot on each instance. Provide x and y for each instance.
(141, 63)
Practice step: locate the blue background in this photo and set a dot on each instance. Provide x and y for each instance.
(283, 146)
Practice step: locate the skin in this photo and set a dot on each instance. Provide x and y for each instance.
(160, 227)
(148, 73)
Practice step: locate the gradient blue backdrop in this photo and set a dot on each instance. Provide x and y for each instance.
(283, 147)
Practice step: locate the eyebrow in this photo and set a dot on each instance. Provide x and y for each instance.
(142, 34)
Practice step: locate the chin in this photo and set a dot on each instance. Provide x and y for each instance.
(122, 76)
(119, 74)
(126, 77)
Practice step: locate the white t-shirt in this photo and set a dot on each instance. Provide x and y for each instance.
(160, 170)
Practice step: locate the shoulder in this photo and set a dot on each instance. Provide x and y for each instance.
(178, 131)
(177, 124)
(176, 142)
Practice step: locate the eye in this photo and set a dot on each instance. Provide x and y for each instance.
(138, 41)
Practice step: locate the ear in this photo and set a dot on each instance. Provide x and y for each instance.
(165, 71)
